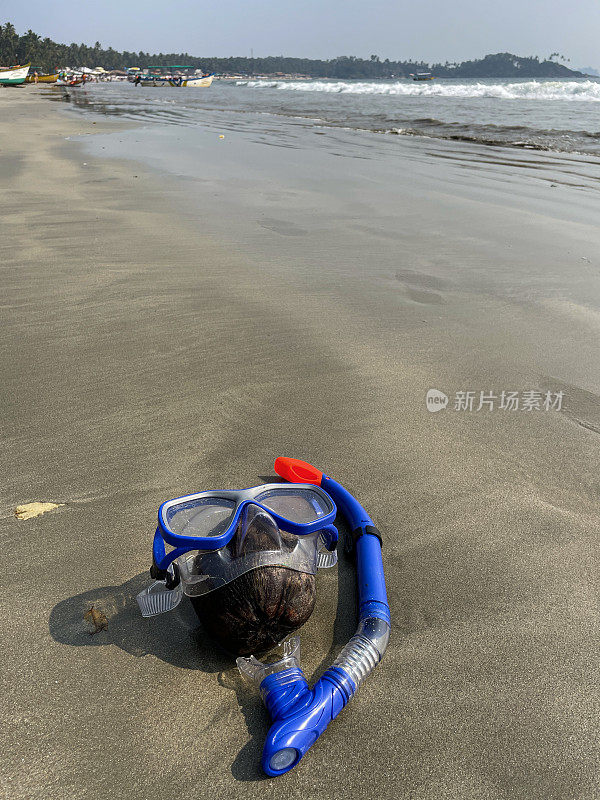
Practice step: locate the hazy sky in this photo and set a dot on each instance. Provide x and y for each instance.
(433, 30)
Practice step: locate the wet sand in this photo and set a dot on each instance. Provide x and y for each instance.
(170, 326)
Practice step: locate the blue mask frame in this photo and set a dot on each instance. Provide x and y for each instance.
(242, 498)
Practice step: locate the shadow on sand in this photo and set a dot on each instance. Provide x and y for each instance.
(178, 639)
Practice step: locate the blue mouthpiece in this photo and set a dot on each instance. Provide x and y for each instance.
(299, 714)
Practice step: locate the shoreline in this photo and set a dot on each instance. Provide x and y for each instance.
(175, 326)
(559, 116)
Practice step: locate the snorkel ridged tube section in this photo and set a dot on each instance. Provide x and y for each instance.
(364, 650)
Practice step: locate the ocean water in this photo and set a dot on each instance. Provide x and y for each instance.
(549, 115)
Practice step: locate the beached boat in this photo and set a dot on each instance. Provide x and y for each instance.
(42, 78)
(14, 75)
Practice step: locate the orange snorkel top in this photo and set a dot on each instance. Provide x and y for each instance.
(296, 471)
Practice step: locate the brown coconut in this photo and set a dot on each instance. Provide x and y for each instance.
(257, 610)
(254, 612)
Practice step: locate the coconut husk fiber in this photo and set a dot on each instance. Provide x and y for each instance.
(258, 609)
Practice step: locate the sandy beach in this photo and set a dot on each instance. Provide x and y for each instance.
(170, 326)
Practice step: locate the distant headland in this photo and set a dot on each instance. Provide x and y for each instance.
(48, 56)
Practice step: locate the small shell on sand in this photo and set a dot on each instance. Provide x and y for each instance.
(29, 510)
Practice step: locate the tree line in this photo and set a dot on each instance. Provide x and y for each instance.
(48, 56)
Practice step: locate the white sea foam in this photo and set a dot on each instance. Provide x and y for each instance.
(522, 90)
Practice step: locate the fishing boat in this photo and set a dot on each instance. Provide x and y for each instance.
(421, 76)
(202, 82)
(42, 78)
(173, 75)
(13, 76)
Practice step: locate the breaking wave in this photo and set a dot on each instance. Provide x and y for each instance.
(522, 90)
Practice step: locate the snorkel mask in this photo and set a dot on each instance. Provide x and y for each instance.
(209, 541)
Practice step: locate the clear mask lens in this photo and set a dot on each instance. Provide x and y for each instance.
(296, 504)
(204, 516)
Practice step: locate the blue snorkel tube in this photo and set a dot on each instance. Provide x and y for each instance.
(300, 714)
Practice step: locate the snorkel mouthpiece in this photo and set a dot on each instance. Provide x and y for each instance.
(300, 714)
